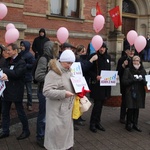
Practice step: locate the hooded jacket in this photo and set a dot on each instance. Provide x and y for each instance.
(29, 59)
(38, 43)
(51, 49)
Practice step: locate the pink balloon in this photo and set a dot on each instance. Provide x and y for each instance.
(98, 23)
(98, 29)
(62, 34)
(97, 42)
(131, 36)
(11, 35)
(140, 43)
(9, 26)
(3, 11)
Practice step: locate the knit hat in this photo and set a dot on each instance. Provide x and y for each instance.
(67, 56)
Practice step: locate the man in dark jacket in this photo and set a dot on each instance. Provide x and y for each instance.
(14, 68)
(123, 63)
(38, 43)
(99, 93)
(29, 59)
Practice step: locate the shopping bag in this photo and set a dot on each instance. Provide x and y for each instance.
(76, 112)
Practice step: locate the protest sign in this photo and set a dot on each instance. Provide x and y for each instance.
(76, 69)
(108, 78)
(78, 83)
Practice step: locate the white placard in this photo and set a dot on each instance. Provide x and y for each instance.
(78, 83)
(76, 69)
(2, 83)
(108, 78)
(1, 73)
(147, 78)
(2, 86)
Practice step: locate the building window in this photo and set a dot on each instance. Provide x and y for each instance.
(73, 8)
(57, 7)
(128, 7)
(66, 8)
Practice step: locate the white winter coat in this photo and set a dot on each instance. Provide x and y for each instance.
(59, 132)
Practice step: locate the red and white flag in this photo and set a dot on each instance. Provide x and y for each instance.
(115, 16)
(98, 10)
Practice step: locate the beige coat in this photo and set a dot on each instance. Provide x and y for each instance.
(59, 132)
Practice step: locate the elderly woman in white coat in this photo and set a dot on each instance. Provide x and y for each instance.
(59, 93)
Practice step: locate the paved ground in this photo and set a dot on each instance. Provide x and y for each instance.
(114, 138)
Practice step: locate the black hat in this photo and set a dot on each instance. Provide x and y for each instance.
(127, 47)
(67, 45)
(104, 45)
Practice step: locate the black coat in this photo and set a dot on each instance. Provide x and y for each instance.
(38, 44)
(134, 91)
(15, 86)
(120, 70)
(103, 63)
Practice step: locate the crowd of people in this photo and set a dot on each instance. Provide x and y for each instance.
(55, 126)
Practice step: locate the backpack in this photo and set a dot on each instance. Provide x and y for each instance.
(35, 66)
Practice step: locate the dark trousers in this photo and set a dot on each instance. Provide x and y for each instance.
(41, 115)
(123, 108)
(6, 106)
(29, 93)
(132, 116)
(96, 112)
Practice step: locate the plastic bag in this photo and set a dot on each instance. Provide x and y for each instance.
(76, 112)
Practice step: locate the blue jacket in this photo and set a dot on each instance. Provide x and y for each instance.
(29, 59)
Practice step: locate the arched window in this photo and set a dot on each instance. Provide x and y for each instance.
(128, 7)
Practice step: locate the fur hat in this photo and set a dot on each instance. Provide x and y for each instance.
(67, 56)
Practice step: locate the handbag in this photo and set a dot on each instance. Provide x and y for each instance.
(85, 104)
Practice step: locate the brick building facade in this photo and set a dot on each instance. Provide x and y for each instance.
(29, 16)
